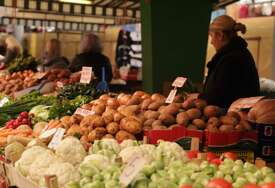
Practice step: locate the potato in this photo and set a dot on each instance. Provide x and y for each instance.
(99, 109)
(167, 119)
(192, 127)
(148, 122)
(108, 117)
(124, 99)
(214, 121)
(193, 113)
(226, 128)
(212, 128)
(112, 103)
(66, 122)
(87, 121)
(147, 128)
(212, 111)
(112, 128)
(161, 109)
(105, 97)
(124, 135)
(97, 134)
(135, 100)
(155, 105)
(174, 126)
(74, 130)
(145, 104)
(98, 121)
(158, 97)
(151, 114)
(228, 120)
(234, 114)
(76, 119)
(178, 99)
(139, 93)
(200, 103)
(132, 126)
(188, 104)
(129, 110)
(239, 128)
(157, 122)
(108, 136)
(200, 124)
(182, 118)
(118, 116)
(172, 109)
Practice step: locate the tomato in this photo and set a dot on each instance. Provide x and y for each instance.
(192, 154)
(216, 161)
(230, 155)
(218, 183)
(211, 156)
(25, 121)
(251, 186)
(186, 186)
(268, 185)
(24, 114)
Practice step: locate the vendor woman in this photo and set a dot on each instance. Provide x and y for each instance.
(232, 72)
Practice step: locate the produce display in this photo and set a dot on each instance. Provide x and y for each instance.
(17, 81)
(165, 165)
(23, 62)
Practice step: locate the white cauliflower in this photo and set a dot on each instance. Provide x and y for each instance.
(105, 144)
(71, 150)
(100, 159)
(128, 143)
(40, 165)
(65, 173)
(28, 157)
(14, 151)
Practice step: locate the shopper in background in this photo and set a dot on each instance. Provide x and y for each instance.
(232, 73)
(13, 48)
(52, 58)
(91, 56)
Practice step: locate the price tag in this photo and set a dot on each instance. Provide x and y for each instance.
(57, 137)
(244, 103)
(136, 164)
(48, 133)
(39, 75)
(59, 84)
(83, 112)
(171, 96)
(4, 101)
(179, 82)
(195, 144)
(86, 75)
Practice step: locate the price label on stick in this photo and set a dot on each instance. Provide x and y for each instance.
(83, 112)
(179, 82)
(171, 96)
(131, 170)
(86, 75)
(57, 137)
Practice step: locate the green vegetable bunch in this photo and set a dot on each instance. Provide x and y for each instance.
(23, 62)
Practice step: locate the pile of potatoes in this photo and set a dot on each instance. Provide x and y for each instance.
(17, 81)
(200, 116)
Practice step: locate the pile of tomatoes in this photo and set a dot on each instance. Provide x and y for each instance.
(22, 119)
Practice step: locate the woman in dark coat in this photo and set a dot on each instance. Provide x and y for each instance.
(232, 72)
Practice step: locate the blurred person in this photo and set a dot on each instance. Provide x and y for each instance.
(232, 72)
(52, 58)
(13, 49)
(91, 56)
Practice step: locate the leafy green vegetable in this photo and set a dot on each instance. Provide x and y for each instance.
(23, 62)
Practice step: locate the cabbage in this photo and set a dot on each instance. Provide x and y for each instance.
(40, 113)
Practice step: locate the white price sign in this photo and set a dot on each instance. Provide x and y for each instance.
(57, 137)
(131, 170)
(83, 112)
(171, 96)
(47, 133)
(86, 75)
(179, 82)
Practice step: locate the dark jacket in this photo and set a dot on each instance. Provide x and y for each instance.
(232, 74)
(57, 63)
(94, 60)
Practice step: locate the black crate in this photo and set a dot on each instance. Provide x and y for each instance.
(266, 150)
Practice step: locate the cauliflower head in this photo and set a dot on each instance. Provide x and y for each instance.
(71, 150)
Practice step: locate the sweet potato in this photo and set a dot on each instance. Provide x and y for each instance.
(124, 135)
(135, 100)
(193, 113)
(131, 126)
(129, 110)
(228, 120)
(97, 134)
(182, 118)
(155, 105)
(200, 103)
(99, 109)
(167, 119)
(98, 121)
(200, 124)
(214, 121)
(172, 109)
(188, 104)
(112, 128)
(108, 117)
(118, 116)
(151, 114)
(226, 128)
(158, 97)
(212, 111)
(145, 104)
